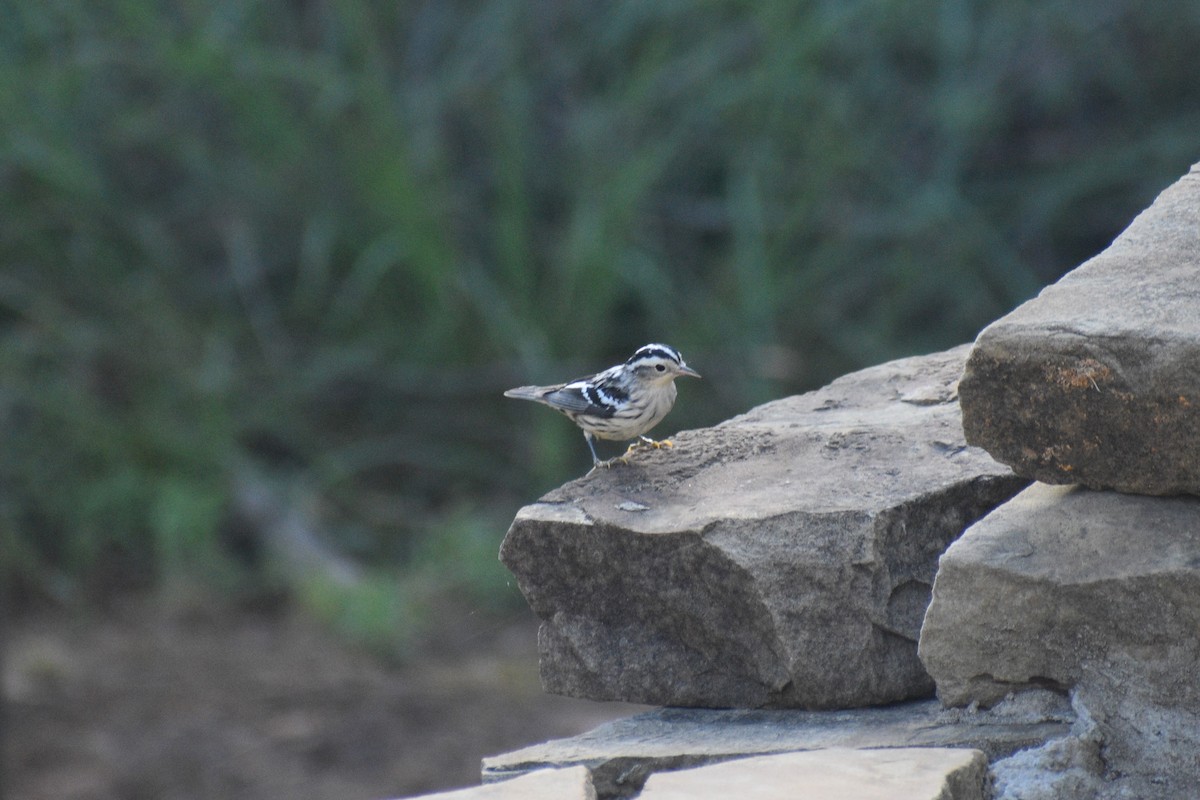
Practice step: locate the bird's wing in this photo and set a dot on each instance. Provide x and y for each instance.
(597, 395)
(573, 398)
(596, 398)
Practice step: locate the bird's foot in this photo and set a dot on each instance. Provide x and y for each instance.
(642, 443)
(609, 463)
(646, 441)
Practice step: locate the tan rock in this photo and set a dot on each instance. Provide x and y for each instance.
(1097, 379)
(571, 783)
(903, 774)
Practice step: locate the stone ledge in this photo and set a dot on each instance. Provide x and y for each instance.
(781, 559)
(621, 755)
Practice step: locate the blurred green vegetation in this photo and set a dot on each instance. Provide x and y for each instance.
(313, 240)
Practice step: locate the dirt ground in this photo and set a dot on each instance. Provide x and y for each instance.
(197, 701)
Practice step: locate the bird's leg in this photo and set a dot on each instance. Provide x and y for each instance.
(596, 462)
(587, 437)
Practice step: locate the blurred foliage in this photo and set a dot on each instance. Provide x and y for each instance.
(324, 235)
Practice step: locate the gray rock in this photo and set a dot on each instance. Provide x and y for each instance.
(903, 774)
(1066, 769)
(1097, 380)
(1078, 767)
(1088, 591)
(622, 754)
(781, 559)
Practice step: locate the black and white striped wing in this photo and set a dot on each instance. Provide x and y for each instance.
(585, 398)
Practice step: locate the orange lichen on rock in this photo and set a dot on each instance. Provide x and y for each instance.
(1088, 373)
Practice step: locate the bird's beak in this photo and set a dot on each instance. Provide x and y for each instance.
(684, 369)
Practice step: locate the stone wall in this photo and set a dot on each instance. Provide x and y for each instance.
(798, 583)
(1091, 587)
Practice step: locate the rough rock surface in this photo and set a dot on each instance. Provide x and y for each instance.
(622, 754)
(571, 783)
(1067, 768)
(903, 774)
(781, 559)
(1089, 591)
(1097, 380)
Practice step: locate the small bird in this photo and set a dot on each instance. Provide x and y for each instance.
(622, 402)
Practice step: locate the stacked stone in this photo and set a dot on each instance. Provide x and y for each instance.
(781, 560)
(780, 565)
(1090, 586)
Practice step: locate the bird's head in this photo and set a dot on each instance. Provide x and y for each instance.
(659, 364)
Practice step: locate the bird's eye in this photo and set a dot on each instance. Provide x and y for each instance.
(661, 367)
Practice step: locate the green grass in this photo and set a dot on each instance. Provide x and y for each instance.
(324, 237)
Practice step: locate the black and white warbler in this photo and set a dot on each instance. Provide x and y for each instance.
(622, 402)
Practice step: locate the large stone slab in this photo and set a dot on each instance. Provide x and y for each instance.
(781, 559)
(570, 783)
(839, 774)
(1097, 380)
(621, 755)
(1092, 592)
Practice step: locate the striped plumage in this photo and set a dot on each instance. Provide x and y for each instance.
(622, 402)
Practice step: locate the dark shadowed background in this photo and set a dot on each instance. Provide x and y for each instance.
(266, 267)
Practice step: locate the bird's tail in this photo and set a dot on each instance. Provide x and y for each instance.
(534, 393)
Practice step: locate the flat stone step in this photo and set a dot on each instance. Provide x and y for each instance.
(569, 783)
(901, 774)
(781, 559)
(621, 755)
(1097, 380)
